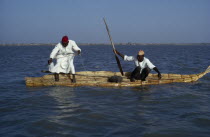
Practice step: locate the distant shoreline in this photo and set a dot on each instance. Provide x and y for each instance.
(99, 44)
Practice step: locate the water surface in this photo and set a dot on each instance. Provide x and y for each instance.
(170, 110)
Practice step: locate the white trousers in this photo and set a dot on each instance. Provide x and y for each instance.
(63, 65)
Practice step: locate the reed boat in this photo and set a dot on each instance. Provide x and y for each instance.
(100, 79)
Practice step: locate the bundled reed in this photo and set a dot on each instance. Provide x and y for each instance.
(100, 79)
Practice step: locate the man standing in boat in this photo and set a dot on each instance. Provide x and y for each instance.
(64, 52)
(143, 66)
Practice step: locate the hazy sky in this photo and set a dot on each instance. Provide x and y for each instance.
(145, 21)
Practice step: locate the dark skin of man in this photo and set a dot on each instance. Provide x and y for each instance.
(140, 59)
(64, 44)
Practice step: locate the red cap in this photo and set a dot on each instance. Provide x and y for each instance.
(65, 39)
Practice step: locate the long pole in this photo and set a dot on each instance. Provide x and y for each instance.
(117, 59)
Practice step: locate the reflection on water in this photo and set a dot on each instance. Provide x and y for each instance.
(64, 100)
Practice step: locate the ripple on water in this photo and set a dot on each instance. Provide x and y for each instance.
(177, 109)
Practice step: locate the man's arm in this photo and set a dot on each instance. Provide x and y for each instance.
(120, 54)
(53, 54)
(125, 57)
(156, 69)
(75, 47)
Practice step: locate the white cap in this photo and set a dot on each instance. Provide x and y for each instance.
(141, 52)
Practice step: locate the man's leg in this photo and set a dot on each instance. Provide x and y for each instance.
(135, 74)
(72, 69)
(56, 75)
(145, 72)
(74, 79)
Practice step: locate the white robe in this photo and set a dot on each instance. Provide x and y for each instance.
(65, 58)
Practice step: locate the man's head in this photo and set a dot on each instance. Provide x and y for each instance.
(65, 41)
(140, 56)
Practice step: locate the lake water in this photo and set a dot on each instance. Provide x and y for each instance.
(170, 110)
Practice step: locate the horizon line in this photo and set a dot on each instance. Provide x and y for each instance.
(120, 43)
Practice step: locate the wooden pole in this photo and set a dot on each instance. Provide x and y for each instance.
(117, 59)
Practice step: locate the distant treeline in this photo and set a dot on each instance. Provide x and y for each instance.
(87, 44)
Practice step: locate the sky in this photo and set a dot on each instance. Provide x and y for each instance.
(138, 21)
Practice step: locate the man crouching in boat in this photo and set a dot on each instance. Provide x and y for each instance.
(143, 66)
(64, 52)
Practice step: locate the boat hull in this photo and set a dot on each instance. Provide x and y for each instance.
(100, 79)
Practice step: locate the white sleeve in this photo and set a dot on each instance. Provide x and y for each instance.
(75, 47)
(149, 64)
(128, 58)
(54, 52)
